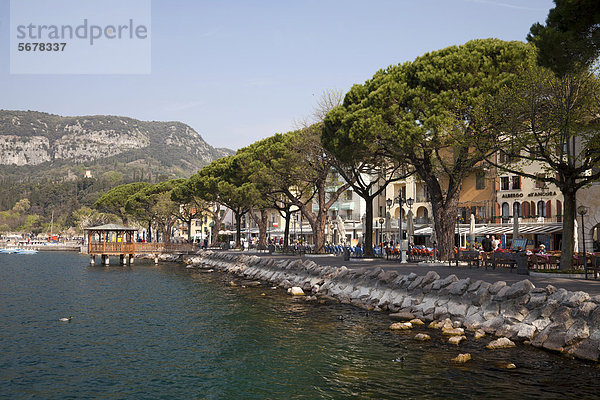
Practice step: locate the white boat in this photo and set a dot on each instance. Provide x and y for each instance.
(26, 251)
(10, 250)
(14, 250)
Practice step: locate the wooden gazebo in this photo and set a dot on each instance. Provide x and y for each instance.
(117, 240)
(111, 240)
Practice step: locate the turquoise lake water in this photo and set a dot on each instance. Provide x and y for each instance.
(147, 332)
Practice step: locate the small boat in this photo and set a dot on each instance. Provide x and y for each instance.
(26, 251)
(14, 250)
(8, 251)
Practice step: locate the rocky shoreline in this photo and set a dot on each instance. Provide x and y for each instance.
(549, 318)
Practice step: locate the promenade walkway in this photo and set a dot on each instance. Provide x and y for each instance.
(590, 286)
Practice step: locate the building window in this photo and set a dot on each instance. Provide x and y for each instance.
(480, 181)
(481, 212)
(348, 194)
(540, 184)
(504, 183)
(503, 159)
(516, 182)
(541, 206)
(516, 209)
(505, 210)
(349, 214)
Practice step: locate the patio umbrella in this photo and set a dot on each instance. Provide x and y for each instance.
(410, 227)
(433, 236)
(388, 225)
(472, 231)
(341, 229)
(515, 227)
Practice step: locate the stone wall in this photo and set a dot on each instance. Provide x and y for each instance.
(548, 318)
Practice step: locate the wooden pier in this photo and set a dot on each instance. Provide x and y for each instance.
(115, 240)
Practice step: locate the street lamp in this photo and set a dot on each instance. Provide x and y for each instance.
(582, 210)
(381, 221)
(389, 203)
(301, 234)
(363, 228)
(409, 202)
(400, 201)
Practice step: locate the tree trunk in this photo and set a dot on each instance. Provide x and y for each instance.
(368, 228)
(444, 214)
(262, 227)
(167, 232)
(189, 224)
(566, 255)
(238, 230)
(214, 232)
(319, 233)
(262, 236)
(286, 232)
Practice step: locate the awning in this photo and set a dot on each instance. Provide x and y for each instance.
(524, 229)
(501, 229)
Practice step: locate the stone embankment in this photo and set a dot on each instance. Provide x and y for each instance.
(548, 318)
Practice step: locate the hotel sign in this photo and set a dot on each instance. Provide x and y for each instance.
(532, 194)
(541, 194)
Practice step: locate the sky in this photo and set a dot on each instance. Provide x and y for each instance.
(240, 71)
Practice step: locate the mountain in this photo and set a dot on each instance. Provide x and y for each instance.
(47, 141)
(60, 164)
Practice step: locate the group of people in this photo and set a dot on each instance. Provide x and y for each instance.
(490, 244)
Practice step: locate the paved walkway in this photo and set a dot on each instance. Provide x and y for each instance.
(590, 286)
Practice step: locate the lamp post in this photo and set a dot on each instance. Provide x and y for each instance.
(459, 237)
(582, 210)
(400, 201)
(381, 221)
(409, 202)
(301, 234)
(295, 234)
(363, 229)
(389, 203)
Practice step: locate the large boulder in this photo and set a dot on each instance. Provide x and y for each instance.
(401, 326)
(502, 343)
(296, 291)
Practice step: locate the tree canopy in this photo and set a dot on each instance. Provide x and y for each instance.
(114, 200)
(570, 39)
(422, 114)
(551, 122)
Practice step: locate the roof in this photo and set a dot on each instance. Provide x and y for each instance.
(110, 227)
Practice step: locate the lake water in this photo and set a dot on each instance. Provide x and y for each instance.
(147, 332)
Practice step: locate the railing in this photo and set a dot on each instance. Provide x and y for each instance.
(138, 248)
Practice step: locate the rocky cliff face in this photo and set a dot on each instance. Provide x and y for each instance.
(32, 138)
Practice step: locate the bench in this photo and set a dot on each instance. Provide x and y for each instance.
(501, 259)
(469, 256)
(543, 261)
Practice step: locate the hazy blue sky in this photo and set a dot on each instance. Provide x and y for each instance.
(239, 71)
